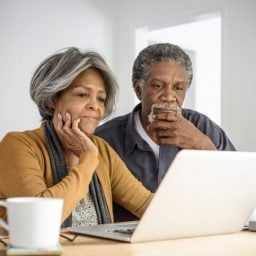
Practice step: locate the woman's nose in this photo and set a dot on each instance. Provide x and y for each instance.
(92, 103)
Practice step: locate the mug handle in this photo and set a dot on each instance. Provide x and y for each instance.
(2, 222)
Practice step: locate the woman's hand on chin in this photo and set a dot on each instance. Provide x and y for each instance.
(71, 137)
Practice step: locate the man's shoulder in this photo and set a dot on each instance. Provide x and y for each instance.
(113, 124)
(187, 112)
(202, 122)
(209, 128)
(195, 116)
(114, 132)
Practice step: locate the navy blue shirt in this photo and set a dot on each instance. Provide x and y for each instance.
(121, 134)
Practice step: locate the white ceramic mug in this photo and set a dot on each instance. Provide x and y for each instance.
(33, 222)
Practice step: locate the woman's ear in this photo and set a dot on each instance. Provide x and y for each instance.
(137, 89)
(52, 103)
(54, 100)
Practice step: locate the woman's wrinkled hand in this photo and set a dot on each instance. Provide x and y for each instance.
(71, 137)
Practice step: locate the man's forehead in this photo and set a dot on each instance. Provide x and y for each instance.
(159, 69)
(166, 64)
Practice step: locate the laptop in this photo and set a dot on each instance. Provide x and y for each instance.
(203, 193)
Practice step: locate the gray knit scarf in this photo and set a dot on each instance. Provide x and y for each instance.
(59, 171)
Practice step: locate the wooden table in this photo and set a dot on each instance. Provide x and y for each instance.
(242, 244)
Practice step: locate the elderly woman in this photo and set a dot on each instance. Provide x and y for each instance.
(74, 91)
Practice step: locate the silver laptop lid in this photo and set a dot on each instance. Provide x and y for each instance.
(203, 193)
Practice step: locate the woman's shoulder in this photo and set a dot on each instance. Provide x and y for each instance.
(28, 137)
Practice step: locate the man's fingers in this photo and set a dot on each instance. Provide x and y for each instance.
(166, 116)
(162, 125)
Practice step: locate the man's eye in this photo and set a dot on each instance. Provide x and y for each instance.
(158, 86)
(180, 88)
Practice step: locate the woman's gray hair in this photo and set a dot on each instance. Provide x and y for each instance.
(160, 52)
(58, 71)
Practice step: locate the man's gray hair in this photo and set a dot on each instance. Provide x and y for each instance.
(58, 71)
(160, 52)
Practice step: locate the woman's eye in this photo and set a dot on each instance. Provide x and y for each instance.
(102, 100)
(83, 95)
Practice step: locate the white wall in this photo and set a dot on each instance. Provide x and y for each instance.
(238, 56)
(30, 30)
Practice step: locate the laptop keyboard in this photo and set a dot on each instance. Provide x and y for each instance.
(127, 231)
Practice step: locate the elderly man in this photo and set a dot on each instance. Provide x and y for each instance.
(149, 137)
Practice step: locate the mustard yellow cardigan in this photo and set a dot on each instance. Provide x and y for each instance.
(25, 170)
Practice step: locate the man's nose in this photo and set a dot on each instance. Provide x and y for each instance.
(169, 95)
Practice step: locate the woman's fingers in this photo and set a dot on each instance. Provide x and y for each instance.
(67, 127)
(71, 136)
(87, 144)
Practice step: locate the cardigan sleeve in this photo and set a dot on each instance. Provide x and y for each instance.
(126, 189)
(25, 171)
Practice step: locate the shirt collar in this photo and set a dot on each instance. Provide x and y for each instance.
(132, 138)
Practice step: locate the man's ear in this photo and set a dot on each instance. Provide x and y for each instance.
(137, 89)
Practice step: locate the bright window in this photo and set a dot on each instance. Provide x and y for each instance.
(202, 41)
